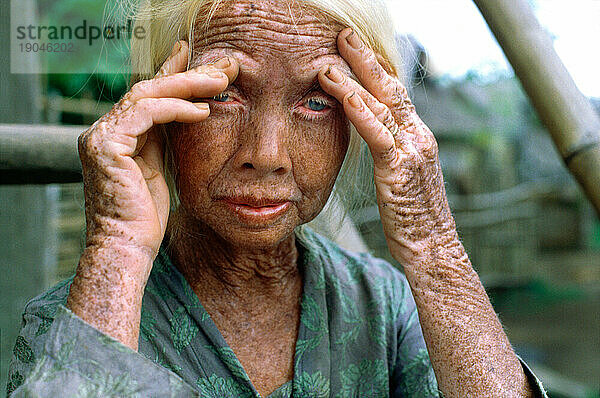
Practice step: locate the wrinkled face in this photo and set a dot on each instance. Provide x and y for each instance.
(267, 157)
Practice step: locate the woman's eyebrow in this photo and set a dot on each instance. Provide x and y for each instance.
(314, 86)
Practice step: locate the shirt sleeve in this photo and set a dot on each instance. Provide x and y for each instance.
(76, 359)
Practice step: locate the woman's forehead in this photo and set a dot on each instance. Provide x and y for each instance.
(264, 29)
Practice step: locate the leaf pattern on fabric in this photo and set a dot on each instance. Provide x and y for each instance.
(311, 314)
(161, 358)
(64, 354)
(350, 312)
(355, 300)
(15, 380)
(302, 346)
(161, 291)
(418, 376)
(376, 323)
(356, 271)
(63, 359)
(228, 357)
(397, 304)
(312, 385)
(147, 325)
(44, 326)
(312, 317)
(106, 385)
(23, 351)
(183, 329)
(219, 387)
(162, 263)
(46, 313)
(172, 367)
(114, 344)
(284, 391)
(348, 337)
(369, 379)
(318, 275)
(409, 323)
(353, 321)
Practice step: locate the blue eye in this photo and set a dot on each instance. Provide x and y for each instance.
(316, 104)
(221, 97)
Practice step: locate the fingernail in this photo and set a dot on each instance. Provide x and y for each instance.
(203, 106)
(176, 49)
(223, 63)
(353, 40)
(334, 75)
(215, 75)
(354, 100)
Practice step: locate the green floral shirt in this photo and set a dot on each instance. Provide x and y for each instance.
(359, 336)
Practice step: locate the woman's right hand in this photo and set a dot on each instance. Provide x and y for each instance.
(126, 196)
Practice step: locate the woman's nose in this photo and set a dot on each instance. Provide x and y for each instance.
(264, 148)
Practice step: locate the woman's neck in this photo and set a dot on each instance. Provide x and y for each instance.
(252, 296)
(209, 262)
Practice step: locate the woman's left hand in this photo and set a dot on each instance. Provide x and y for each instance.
(410, 187)
(469, 351)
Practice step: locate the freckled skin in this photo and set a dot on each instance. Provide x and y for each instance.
(469, 351)
(259, 144)
(264, 141)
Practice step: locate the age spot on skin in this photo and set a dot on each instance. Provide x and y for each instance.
(251, 9)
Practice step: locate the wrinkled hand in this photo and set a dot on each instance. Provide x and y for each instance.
(126, 196)
(409, 183)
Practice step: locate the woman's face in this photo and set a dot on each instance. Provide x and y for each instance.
(266, 159)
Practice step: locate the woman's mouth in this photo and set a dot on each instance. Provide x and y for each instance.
(257, 211)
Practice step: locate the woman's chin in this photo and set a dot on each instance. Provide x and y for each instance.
(255, 239)
(239, 233)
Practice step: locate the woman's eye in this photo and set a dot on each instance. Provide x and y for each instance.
(316, 104)
(221, 97)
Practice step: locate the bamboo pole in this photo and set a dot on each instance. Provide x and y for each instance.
(564, 110)
(39, 154)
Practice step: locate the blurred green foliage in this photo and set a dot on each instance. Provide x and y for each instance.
(113, 56)
(103, 87)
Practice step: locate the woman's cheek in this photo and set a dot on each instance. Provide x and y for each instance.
(322, 151)
(201, 150)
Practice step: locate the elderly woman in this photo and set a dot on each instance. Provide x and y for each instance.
(222, 293)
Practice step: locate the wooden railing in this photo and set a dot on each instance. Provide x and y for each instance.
(39, 154)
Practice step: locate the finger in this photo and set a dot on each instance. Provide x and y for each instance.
(153, 150)
(339, 85)
(370, 73)
(157, 187)
(336, 83)
(150, 162)
(377, 136)
(177, 61)
(383, 86)
(201, 82)
(120, 137)
(148, 112)
(229, 65)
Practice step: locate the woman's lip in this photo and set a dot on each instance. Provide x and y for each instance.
(258, 214)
